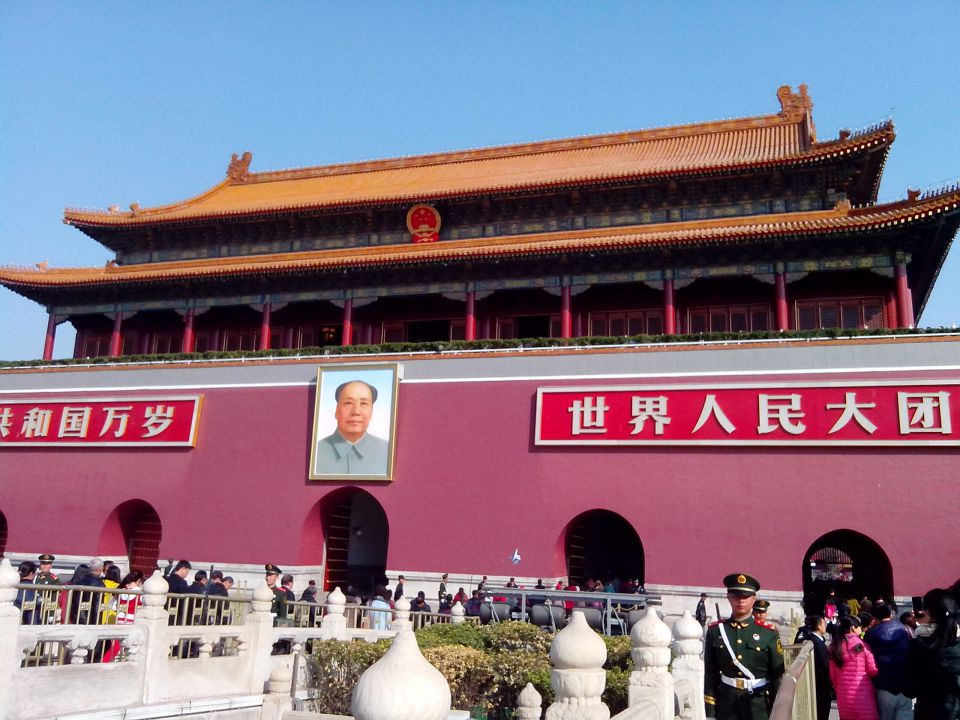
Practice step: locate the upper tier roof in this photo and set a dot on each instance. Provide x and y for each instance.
(787, 138)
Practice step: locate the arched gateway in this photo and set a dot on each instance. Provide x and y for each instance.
(601, 544)
(133, 529)
(848, 562)
(355, 535)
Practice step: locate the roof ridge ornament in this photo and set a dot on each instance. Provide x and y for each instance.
(239, 168)
(797, 106)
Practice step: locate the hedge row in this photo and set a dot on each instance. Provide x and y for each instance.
(453, 345)
(486, 667)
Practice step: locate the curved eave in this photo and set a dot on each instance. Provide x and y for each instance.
(676, 235)
(878, 139)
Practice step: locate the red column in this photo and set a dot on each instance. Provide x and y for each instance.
(566, 320)
(783, 316)
(116, 338)
(891, 309)
(904, 298)
(188, 334)
(347, 322)
(51, 336)
(265, 327)
(669, 308)
(470, 331)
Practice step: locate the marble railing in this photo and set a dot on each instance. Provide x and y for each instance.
(233, 666)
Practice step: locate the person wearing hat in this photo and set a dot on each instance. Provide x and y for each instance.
(743, 658)
(47, 600)
(279, 605)
(760, 608)
(46, 576)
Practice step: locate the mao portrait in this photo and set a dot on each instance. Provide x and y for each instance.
(354, 423)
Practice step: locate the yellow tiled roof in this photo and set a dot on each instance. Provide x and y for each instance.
(704, 147)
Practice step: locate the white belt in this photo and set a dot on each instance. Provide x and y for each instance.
(743, 683)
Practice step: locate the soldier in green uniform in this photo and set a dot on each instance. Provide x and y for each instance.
(47, 599)
(279, 605)
(46, 575)
(743, 658)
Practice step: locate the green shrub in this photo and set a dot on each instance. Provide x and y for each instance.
(510, 636)
(466, 634)
(617, 691)
(512, 671)
(338, 667)
(468, 672)
(618, 652)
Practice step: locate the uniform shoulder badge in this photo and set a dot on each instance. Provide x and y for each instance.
(764, 624)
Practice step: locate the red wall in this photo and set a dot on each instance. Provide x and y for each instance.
(470, 487)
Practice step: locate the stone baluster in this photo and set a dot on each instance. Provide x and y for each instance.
(206, 646)
(687, 663)
(529, 704)
(578, 678)
(262, 636)
(402, 620)
(78, 652)
(651, 682)
(457, 614)
(152, 618)
(333, 625)
(277, 701)
(401, 685)
(10, 657)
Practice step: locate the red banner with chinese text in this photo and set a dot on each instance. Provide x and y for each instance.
(845, 413)
(169, 421)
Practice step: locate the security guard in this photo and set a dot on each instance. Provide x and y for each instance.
(46, 575)
(279, 605)
(743, 658)
(47, 599)
(760, 609)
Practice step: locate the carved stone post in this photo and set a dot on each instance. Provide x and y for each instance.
(152, 618)
(457, 614)
(333, 625)
(277, 700)
(578, 678)
(651, 681)
(261, 643)
(529, 704)
(401, 685)
(9, 626)
(687, 663)
(402, 621)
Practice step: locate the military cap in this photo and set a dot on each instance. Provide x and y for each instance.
(761, 606)
(741, 583)
(46, 558)
(272, 569)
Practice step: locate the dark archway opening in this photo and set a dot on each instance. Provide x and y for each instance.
(356, 536)
(3, 534)
(602, 545)
(847, 562)
(133, 529)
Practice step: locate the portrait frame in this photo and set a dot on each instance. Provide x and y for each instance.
(329, 452)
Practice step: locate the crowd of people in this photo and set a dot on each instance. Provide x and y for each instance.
(882, 664)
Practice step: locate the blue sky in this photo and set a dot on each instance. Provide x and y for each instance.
(104, 103)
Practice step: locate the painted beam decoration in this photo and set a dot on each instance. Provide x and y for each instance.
(904, 413)
(99, 422)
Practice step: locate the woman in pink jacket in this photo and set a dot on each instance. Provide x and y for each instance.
(851, 667)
